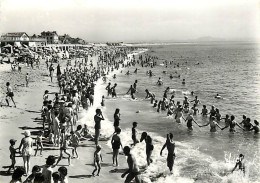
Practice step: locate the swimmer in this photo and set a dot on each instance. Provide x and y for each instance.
(213, 124)
(189, 120)
(196, 101)
(159, 82)
(134, 132)
(183, 82)
(256, 127)
(232, 125)
(240, 164)
(114, 76)
(204, 111)
(170, 145)
(148, 94)
(218, 96)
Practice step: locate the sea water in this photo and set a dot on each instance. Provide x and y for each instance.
(230, 69)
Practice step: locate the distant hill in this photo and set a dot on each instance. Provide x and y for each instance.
(208, 38)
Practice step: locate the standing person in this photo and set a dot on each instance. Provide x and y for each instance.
(256, 127)
(27, 79)
(116, 143)
(97, 159)
(58, 72)
(47, 169)
(113, 90)
(51, 70)
(213, 125)
(134, 133)
(9, 93)
(232, 125)
(55, 129)
(133, 171)
(189, 120)
(132, 91)
(26, 143)
(240, 164)
(149, 147)
(108, 88)
(116, 118)
(63, 174)
(97, 118)
(12, 155)
(103, 101)
(38, 142)
(170, 147)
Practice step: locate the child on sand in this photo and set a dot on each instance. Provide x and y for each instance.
(97, 159)
(38, 142)
(74, 143)
(86, 133)
(12, 154)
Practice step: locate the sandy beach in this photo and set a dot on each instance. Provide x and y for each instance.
(27, 116)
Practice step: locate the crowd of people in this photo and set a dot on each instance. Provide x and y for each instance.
(60, 117)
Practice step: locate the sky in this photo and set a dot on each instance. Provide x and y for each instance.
(134, 20)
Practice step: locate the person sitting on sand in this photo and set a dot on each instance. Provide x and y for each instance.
(86, 133)
(116, 143)
(133, 170)
(97, 160)
(170, 147)
(240, 164)
(9, 94)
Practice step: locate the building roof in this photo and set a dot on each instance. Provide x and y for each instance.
(14, 34)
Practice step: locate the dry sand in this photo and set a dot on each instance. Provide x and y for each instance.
(13, 121)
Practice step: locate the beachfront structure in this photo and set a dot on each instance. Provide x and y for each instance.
(15, 39)
(37, 41)
(51, 37)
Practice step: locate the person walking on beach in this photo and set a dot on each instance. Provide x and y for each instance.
(133, 170)
(97, 118)
(116, 143)
(97, 160)
(26, 145)
(9, 93)
(170, 147)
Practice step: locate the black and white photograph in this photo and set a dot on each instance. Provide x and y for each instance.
(129, 91)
